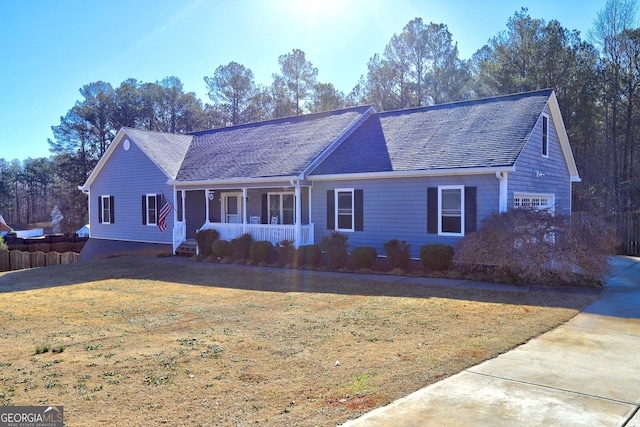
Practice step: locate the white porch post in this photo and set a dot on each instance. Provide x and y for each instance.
(502, 203)
(206, 205)
(244, 210)
(175, 211)
(298, 229)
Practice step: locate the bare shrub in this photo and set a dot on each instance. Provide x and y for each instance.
(540, 247)
(398, 254)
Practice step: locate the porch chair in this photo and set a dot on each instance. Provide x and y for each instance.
(254, 219)
(274, 220)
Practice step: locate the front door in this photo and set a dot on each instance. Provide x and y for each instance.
(232, 208)
(195, 212)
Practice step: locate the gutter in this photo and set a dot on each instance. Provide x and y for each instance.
(233, 181)
(413, 174)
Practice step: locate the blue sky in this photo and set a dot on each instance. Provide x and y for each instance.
(51, 48)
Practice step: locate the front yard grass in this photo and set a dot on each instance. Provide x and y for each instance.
(157, 341)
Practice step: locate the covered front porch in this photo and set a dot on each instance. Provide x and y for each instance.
(274, 212)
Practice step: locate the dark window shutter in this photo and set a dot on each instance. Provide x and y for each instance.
(331, 210)
(470, 219)
(432, 210)
(264, 213)
(112, 209)
(179, 204)
(358, 209)
(100, 209)
(144, 210)
(159, 205)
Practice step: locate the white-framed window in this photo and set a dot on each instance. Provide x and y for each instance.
(345, 219)
(152, 209)
(534, 201)
(105, 206)
(451, 210)
(282, 206)
(545, 136)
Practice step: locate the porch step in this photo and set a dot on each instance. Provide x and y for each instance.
(187, 248)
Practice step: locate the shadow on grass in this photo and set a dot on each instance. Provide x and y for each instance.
(271, 279)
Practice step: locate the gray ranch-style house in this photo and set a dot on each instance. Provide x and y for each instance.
(424, 175)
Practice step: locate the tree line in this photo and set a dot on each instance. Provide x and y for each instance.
(597, 81)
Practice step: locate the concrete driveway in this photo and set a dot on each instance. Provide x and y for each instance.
(583, 373)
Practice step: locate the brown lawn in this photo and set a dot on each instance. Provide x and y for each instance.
(166, 341)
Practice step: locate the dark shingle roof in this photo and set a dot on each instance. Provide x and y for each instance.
(282, 147)
(488, 132)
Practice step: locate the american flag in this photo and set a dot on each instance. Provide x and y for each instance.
(164, 212)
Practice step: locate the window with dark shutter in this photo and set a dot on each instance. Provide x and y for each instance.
(358, 207)
(470, 216)
(112, 210)
(150, 208)
(432, 210)
(331, 210)
(105, 209)
(100, 209)
(264, 218)
(144, 210)
(445, 214)
(545, 136)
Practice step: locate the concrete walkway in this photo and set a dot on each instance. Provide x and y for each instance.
(583, 373)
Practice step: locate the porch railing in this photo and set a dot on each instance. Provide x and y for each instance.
(274, 233)
(179, 234)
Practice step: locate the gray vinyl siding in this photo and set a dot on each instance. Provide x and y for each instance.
(397, 208)
(127, 176)
(556, 179)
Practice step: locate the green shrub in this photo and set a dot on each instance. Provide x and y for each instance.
(436, 256)
(335, 246)
(398, 253)
(309, 256)
(261, 252)
(364, 256)
(3, 244)
(286, 253)
(44, 348)
(220, 249)
(239, 249)
(205, 239)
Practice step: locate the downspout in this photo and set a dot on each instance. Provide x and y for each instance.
(298, 225)
(502, 200)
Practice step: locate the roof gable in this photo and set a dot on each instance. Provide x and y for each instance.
(484, 133)
(165, 150)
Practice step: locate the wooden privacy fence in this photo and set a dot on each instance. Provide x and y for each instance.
(18, 260)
